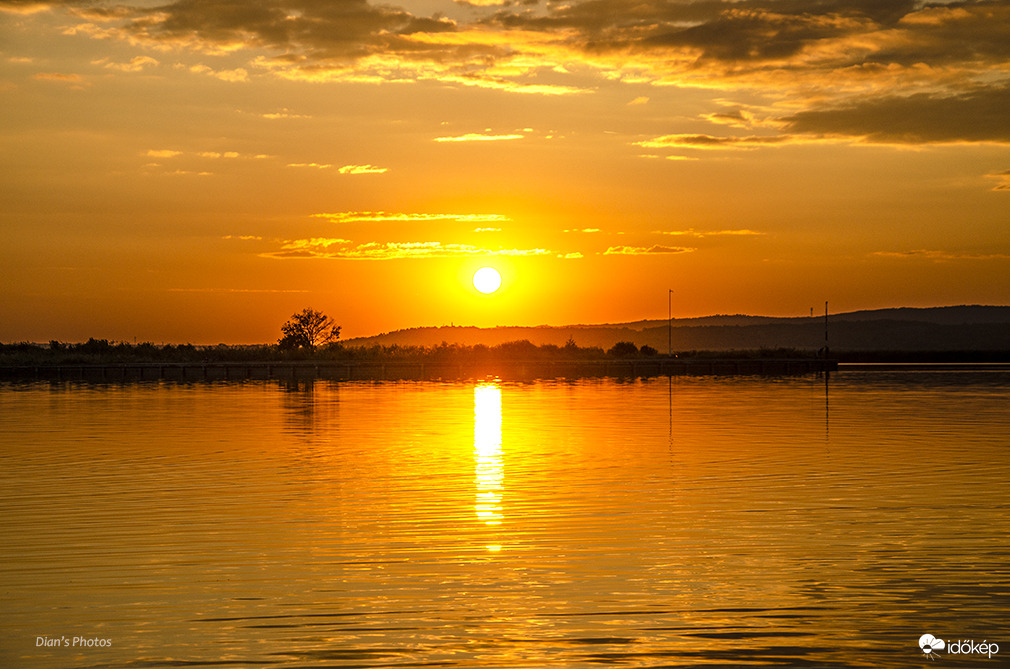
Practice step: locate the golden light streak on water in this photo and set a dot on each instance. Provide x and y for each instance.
(489, 469)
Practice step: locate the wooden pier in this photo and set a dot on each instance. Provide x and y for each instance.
(429, 370)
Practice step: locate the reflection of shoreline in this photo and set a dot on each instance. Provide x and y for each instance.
(426, 370)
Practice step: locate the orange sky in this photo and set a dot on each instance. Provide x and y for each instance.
(197, 171)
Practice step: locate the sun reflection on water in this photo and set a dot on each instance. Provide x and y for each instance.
(489, 471)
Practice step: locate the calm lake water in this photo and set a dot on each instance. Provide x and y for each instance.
(692, 521)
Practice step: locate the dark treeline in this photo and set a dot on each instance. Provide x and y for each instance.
(935, 357)
(102, 351)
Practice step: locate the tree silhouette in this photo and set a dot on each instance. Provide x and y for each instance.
(623, 349)
(308, 329)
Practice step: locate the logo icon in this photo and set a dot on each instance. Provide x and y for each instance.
(930, 644)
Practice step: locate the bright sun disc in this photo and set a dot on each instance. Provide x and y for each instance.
(486, 280)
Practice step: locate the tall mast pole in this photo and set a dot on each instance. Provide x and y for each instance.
(669, 321)
(825, 329)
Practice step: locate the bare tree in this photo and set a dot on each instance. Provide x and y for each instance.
(308, 329)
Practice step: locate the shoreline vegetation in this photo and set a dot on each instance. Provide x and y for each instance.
(310, 338)
(100, 360)
(105, 352)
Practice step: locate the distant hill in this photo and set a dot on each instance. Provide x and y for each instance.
(968, 328)
(940, 315)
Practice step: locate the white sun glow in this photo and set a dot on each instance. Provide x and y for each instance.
(487, 280)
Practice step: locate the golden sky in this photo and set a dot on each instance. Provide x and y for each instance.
(199, 170)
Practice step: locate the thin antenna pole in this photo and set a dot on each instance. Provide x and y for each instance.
(825, 329)
(669, 321)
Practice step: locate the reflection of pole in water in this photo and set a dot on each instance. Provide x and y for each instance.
(669, 379)
(489, 470)
(827, 378)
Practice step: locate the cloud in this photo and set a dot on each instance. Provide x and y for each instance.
(818, 56)
(382, 216)
(487, 229)
(210, 155)
(976, 116)
(136, 64)
(737, 118)
(498, 83)
(24, 7)
(710, 142)
(939, 256)
(362, 169)
(230, 155)
(1003, 178)
(235, 75)
(482, 3)
(237, 290)
(284, 113)
(642, 250)
(477, 137)
(691, 232)
(318, 166)
(59, 77)
(587, 230)
(571, 256)
(163, 153)
(345, 249)
(314, 243)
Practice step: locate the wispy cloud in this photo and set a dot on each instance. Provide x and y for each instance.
(737, 118)
(940, 256)
(25, 8)
(283, 114)
(236, 75)
(318, 166)
(237, 290)
(136, 64)
(345, 249)
(586, 230)
(59, 77)
(1003, 180)
(207, 155)
(230, 155)
(691, 232)
(643, 250)
(477, 137)
(163, 153)
(382, 216)
(362, 169)
(711, 142)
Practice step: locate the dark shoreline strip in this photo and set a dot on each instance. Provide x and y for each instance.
(393, 370)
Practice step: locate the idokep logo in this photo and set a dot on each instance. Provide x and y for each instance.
(929, 644)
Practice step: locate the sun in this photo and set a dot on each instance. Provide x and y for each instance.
(487, 280)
